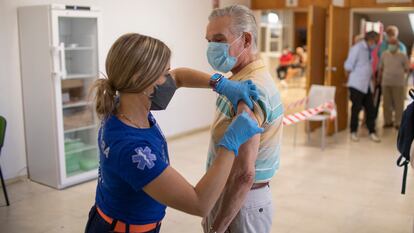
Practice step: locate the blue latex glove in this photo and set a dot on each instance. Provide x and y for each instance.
(239, 131)
(237, 91)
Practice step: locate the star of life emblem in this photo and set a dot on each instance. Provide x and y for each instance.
(144, 158)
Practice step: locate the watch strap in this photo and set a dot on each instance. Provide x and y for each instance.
(214, 80)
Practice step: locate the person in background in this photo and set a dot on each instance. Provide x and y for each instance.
(359, 68)
(284, 63)
(298, 64)
(302, 55)
(245, 205)
(393, 68)
(391, 32)
(136, 181)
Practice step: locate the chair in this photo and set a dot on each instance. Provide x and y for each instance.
(319, 95)
(3, 124)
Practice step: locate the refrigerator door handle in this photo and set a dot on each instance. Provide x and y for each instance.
(59, 68)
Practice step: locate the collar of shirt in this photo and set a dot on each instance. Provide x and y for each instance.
(255, 65)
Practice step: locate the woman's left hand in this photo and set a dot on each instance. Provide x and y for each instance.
(238, 91)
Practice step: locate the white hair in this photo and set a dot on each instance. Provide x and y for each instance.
(392, 29)
(242, 20)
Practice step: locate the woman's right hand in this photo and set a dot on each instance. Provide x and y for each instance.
(236, 91)
(239, 131)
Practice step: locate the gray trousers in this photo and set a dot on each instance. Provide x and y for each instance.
(255, 216)
(394, 97)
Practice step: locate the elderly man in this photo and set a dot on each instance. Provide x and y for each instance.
(391, 33)
(394, 67)
(245, 205)
(358, 65)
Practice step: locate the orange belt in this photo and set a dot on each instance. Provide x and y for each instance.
(121, 226)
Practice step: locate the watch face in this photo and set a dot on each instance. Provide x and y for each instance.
(216, 76)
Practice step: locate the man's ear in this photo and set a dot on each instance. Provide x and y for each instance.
(248, 39)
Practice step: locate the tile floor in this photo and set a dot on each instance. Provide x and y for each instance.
(348, 188)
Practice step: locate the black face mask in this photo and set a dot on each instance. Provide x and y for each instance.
(163, 94)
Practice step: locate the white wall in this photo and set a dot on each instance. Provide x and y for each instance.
(180, 23)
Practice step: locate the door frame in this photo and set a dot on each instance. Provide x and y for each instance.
(335, 73)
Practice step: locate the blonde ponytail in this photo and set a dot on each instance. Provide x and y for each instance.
(104, 97)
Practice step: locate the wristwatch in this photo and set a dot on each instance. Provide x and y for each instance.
(214, 81)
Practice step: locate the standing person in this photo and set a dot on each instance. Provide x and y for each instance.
(245, 205)
(136, 181)
(394, 67)
(358, 65)
(391, 32)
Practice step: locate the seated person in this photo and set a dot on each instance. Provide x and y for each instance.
(298, 65)
(284, 63)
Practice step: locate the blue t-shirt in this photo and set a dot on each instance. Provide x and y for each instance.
(130, 158)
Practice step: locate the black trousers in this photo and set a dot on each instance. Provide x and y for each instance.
(282, 72)
(360, 100)
(96, 224)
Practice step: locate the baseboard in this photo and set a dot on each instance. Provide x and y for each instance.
(16, 179)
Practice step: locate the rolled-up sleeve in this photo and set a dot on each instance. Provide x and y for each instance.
(351, 59)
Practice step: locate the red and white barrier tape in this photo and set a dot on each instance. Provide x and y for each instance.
(305, 114)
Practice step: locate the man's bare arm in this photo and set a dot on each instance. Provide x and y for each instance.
(240, 181)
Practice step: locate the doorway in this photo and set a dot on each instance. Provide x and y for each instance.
(403, 19)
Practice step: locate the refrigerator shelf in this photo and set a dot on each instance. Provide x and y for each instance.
(76, 104)
(81, 76)
(80, 48)
(81, 129)
(85, 148)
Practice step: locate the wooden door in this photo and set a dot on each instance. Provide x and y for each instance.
(300, 29)
(338, 46)
(315, 69)
(316, 46)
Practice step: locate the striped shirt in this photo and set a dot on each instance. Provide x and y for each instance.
(269, 112)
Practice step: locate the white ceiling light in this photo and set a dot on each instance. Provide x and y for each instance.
(411, 16)
(272, 18)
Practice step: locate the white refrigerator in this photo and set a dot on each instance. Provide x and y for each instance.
(59, 54)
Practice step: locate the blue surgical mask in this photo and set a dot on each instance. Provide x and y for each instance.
(392, 48)
(219, 58)
(372, 47)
